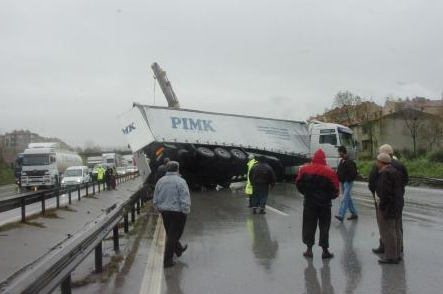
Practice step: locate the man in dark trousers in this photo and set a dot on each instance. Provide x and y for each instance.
(172, 199)
(372, 185)
(347, 173)
(262, 177)
(388, 196)
(319, 185)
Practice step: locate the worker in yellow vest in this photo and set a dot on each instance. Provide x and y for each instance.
(100, 174)
(248, 189)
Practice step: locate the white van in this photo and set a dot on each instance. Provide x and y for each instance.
(76, 175)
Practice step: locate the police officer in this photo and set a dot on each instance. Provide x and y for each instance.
(248, 190)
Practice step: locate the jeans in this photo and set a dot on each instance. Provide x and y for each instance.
(346, 203)
(259, 196)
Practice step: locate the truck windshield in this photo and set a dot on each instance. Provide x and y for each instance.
(110, 160)
(35, 159)
(73, 173)
(345, 138)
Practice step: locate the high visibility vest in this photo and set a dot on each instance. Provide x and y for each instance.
(100, 173)
(250, 164)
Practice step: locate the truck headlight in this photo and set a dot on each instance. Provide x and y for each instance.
(78, 181)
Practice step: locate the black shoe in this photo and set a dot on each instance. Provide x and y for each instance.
(179, 253)
(339, 218)
(262, 211)
(308, 253)
(169, 264)
(354, 216)
(326, 254)
(388, 261)
(254, 210)
(379, 250)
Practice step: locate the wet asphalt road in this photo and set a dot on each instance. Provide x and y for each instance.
(233, 251)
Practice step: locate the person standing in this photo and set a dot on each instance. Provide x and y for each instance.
(248, 189)
(372, 185)
(347, 173)
(100, 174)
(161, 170)
(114, 177)
(173, 201)
(319, 185)
(262, 177)
(108, 178)
(388, 196)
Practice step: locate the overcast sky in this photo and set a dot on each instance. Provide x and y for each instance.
(70, 68)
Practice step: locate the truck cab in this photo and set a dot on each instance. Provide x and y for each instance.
(329, 137)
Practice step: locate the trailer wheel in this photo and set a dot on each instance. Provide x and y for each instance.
(205, 152)
(222, 153)
(238, 154)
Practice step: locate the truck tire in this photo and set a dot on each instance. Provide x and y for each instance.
(205, 152)
(222, 153)
(238, 155)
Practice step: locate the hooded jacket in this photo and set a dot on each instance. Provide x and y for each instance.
(318, 182)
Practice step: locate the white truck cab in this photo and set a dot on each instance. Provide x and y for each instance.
(329, 137)
(76, 175)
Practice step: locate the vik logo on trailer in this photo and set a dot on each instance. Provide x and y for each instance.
(129, 128)
(192, 124)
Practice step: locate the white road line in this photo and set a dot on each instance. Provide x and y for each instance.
(276, 210)
(153, 274)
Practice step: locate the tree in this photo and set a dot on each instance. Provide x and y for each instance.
(348, 102)
(413, 124)
(431, 131)
(91, 147)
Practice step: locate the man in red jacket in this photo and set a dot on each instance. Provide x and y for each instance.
(319, 185)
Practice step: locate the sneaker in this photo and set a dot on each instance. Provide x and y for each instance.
(326, 254)
(388, 261)
(379, 250)
(308, 253)
(354, 216)
(339, 218)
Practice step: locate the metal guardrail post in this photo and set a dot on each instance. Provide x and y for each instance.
(115, 238)
(66, 285)
(87, 190)
(69, 195)
(99, 258)
(79, 196)
(132, 213)
(93, 187)
(43, 203)
(126, 222)
(23, 206)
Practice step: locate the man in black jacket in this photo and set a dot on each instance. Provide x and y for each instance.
(373, 180)
(262, 176)
(319, 185)
(347, 173)
(388, 196)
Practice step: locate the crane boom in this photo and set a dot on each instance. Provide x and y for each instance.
(165, 85)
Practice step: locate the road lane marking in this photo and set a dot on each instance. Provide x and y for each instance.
(153, 274)
(276, 210)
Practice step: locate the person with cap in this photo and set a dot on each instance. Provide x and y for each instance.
(173, 201)
(248, 189)
(319, 185)
(161, 170)
(347, 173)
(388, 196)
(372, 185)
(262, 178)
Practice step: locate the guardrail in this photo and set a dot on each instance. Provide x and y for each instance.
(21, 200)
(55, 269)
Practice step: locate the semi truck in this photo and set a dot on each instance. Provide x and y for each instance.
(44, 164)
(113, 159)
(91, 161)
(213, 148)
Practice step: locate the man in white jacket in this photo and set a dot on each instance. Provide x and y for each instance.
(173, 201)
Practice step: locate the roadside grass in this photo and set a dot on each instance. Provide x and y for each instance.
(6, 175)
(420, 167)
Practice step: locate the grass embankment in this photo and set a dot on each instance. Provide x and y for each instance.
(6, 174)
(420, 167)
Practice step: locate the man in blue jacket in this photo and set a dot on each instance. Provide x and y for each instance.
(173, 201)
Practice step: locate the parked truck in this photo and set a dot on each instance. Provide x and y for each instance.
(44, 164)
(91, 161)
(113, 159)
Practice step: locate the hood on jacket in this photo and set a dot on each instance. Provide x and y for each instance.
(319, 157)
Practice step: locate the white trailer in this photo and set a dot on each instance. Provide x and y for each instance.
(113, 159)
(92, 161)
(44, 164)
(212, 147)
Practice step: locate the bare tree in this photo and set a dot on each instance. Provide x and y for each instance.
(431, 131)
(348, 102)
(413, 124)
(90, 146)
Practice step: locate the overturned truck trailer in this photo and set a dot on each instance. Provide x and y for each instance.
(212, 148)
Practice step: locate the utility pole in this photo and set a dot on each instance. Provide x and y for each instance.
(165, 85)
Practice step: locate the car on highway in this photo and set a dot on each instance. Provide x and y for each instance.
(76, 175)
(131, 169)
(121, 170)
